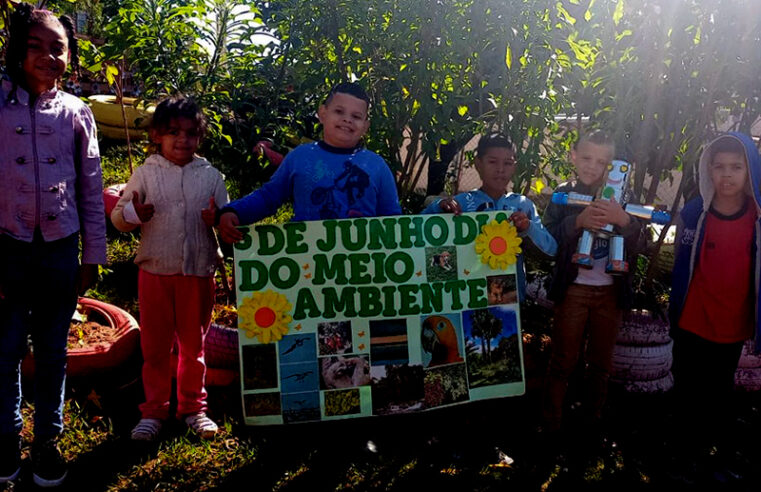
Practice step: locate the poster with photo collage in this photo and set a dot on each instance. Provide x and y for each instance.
(375, 316)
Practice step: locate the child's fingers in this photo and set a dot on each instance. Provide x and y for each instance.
(212, 203)
(135, 198)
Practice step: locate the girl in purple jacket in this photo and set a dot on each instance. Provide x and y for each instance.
(52, 197)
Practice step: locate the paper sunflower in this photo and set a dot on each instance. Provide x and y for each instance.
(498, 244)
(265, 315)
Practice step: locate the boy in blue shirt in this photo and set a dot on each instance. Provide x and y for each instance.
(495, 163)
(330, 179)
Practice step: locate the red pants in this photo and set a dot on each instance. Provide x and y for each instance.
(585, 310)
(173, 307)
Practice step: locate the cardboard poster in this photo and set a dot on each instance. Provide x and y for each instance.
(376, 316)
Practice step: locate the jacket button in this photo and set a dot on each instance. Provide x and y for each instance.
(51, 217)
(20, 160)
(51, 160)
(19, 129)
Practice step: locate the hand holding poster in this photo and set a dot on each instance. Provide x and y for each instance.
(373, 316)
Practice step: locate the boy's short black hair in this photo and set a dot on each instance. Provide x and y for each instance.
(729, 145)
(597, 137)
(491, 140)
(350, 88)
(175, 107)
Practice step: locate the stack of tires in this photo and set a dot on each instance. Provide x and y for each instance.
(221, 354)
(642, 356)
(748, 374)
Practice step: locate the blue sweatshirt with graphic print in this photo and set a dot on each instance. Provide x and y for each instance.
(478, 201)
(324, 182)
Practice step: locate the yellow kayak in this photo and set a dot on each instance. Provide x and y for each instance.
(108, 112)
(117, 132)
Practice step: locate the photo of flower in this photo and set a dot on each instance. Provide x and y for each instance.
(265, 315)
(498, 244)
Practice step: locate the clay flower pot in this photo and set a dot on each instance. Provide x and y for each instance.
(104, 355)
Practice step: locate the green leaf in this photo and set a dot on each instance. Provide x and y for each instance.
(509, 57)
(111, 73)
(415, 107)
(565, 14)
(461, 110)
(618, 13)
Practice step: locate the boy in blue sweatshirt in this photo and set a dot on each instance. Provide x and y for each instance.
(495, 163)
(330, 179)
(714, 302)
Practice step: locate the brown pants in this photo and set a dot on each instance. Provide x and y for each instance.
(586, 310)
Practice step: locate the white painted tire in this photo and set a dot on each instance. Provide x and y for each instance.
(660, 352)
(640, 373)
(655, 386)
(747, 358)
(640, 328)
(748, 379)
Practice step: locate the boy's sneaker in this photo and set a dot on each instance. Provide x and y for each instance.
(146, 430)
(10, 457)
(48, 463)
(201, 425)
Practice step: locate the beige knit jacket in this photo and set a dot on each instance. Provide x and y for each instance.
(175, 241)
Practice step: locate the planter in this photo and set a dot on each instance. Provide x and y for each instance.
(88, 360)
(642, 355)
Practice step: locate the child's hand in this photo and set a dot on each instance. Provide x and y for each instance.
(228, 228)
(520, 221)
(612, 212)
(209, 214)
(144, 211)
(591, 218)
(450, 205)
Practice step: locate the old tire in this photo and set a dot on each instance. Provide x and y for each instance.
(747, 358)
(221, 347)
(748, 379)
(641, 328)
(86, 361)
(660, 385)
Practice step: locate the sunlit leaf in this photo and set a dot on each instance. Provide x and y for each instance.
(618, 13)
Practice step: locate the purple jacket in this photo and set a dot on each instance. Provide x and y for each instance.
(50, 166)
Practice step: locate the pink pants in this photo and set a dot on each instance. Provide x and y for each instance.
(173, 307)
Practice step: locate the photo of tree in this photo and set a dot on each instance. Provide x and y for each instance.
(397, 388)
(491, 345)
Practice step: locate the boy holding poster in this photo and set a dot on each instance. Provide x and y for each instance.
(495, 163)
(589, 303)
(333, 178)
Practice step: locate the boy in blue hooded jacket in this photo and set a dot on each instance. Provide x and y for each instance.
(495, 163)
(715, 286)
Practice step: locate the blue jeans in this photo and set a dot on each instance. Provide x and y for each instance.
(38, 280)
